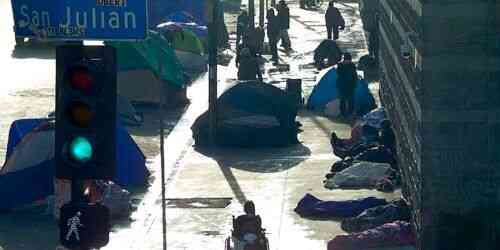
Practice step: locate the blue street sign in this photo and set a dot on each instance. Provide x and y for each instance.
(81, 19)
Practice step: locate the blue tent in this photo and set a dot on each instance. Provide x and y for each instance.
(161, 11)
(326, 90)
(29, 183)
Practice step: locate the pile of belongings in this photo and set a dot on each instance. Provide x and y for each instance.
(251, 114)
(324, 96)
(373, 217)
(394, 234)
(310, 206)
(360, 174)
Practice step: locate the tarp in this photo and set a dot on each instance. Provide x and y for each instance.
(186, 11)
(29, 170)
(310, 206)
(251, 114)
(148, 54)
(200, 30)
(161, 11)
(325, 91)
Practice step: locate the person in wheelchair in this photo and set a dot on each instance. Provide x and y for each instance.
(247, 228)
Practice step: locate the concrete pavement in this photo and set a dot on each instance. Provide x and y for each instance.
(274, 178)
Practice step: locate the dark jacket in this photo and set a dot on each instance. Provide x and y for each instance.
(334, 18)
(347, 78)
(284, 16)
(248, 69)
(273, 26)
(242, 24)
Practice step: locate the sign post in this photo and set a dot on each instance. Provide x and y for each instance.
(213, 23)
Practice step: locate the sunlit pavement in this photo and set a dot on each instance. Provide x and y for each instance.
(275, 179)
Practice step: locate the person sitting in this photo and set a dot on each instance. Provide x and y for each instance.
(387, 137)
(248, 231)
(248, 223)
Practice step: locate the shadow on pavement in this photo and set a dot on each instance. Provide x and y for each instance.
(264, 160)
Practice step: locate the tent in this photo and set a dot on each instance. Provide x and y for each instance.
(186, 11)
(28, 172)
(140, 78)
(251, 114)
(189, 49)
(325, 92)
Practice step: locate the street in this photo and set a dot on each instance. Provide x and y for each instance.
(275, 179)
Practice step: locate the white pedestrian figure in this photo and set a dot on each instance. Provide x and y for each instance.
(73, 224)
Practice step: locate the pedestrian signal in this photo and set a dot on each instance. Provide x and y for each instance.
(84, 225)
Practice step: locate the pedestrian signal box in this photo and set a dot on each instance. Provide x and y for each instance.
(85, 112)
(84, 225)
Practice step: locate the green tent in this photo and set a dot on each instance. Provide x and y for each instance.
(187, 41)
(147, 55)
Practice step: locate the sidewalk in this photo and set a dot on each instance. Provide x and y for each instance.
(275, 179)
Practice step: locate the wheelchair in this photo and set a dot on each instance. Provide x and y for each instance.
(243, 239)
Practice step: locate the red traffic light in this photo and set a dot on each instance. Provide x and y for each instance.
(81, 78)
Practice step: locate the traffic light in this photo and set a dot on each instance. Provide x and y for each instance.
(85, 112)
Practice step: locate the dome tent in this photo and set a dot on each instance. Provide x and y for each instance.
(251, 114)
(325, 92)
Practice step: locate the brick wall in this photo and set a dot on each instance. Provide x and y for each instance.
(446, 115)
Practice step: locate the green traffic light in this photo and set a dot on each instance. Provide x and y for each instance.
(80, 149)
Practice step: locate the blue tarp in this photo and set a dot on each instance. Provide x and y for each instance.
(326, 91)
(310, 206)
(25, 186)
(161, 11)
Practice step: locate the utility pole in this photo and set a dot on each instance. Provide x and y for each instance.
(212, 70)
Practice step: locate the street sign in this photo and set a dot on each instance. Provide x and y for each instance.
(84, 225)
(81, 20)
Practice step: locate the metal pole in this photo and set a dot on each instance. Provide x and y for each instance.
(212, 75)
(261, 13)
(162, 160)
(251, 12)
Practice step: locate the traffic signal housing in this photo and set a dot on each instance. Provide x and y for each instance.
(85, 112)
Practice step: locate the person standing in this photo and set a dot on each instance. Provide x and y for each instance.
(243, 23)
(273, 32)
(248, 67)
(334, 21)
(347, 79)
(284, 20)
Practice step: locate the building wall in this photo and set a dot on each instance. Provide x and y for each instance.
(444, 102)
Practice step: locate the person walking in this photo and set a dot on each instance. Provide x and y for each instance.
(334, 21)
(284, 20)
(248, 67)
(242, 25)
(347, 79)
(273, 32)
